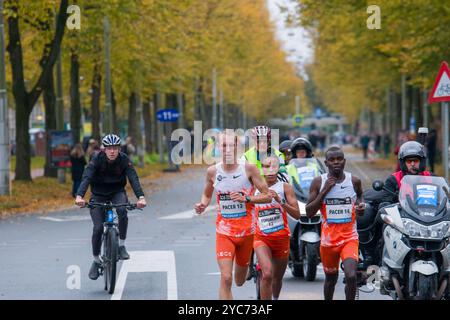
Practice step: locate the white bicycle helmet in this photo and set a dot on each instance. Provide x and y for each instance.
(262, 131)
(111, 140)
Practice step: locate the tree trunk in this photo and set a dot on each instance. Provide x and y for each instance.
(115, 127)
(75, 105)
(153, 124)
(147, 125)
(50, 124)
(95, 102)
(25, 101)
(132, 121)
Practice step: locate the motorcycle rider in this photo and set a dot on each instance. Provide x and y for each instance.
(412, 160)
(301, 148)
(285, 148)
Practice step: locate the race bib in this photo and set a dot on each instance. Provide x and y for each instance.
(231, 209)
(306, 176)
(339, 210)
(270, 220)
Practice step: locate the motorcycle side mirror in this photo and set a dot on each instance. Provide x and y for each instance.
(377, 185)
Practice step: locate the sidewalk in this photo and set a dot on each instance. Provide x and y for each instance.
(35, 173)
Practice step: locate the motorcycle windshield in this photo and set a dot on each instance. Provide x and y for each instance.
(424, 196)
(307, 170)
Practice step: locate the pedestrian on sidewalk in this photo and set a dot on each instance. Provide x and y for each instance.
(387, 145)
(128, 148)
(93, 148)
(365, 139)
(78, 163)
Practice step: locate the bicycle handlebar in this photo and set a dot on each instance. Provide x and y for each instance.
(128, 206)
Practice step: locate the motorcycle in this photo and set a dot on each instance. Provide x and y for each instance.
(416, 253)
(305, 233)
(369, 227)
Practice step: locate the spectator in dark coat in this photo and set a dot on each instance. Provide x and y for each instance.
(78, 163)
(364, 141)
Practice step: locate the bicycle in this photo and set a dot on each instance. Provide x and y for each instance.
(110, 254)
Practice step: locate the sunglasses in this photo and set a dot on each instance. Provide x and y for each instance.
(411, 161)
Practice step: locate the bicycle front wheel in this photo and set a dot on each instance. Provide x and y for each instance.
(111, 247)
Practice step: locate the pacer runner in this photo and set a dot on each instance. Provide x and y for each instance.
(234, 184)
(338, 195)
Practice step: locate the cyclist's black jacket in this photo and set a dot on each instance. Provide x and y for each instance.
(107, 178)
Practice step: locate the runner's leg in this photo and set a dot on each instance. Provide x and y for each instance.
(226, 279)
(225, 252)
(350, 266)
(244, 248)
(330, 262)
(349, 256)
(265, 262)
(279, 268)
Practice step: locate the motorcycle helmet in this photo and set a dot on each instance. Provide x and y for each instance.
(412, 149)
(299, 144)
(285, 146)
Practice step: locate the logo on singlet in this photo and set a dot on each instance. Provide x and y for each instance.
(220, 178)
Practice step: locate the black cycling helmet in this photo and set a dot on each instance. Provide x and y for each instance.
(412, 149)
(299, 144)
(111, 140)
(285, 145)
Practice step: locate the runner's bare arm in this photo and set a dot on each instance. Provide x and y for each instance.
(360, 205)
(207, 191)
(291, 204)
(260, 184)
(314, 202)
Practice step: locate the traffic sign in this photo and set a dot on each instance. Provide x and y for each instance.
(441, 88)
(297, 119)
(167, 115)
(441, 93)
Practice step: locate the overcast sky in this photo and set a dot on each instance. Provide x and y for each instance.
(291, 38)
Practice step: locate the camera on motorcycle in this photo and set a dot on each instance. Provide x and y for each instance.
(377, 185)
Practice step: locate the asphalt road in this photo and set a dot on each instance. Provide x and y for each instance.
(172, 251)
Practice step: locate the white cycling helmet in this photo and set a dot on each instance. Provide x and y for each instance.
(262, 131)
(111, 140)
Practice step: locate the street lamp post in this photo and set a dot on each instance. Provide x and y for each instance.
(4, 136)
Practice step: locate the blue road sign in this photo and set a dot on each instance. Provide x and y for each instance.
(167, 115)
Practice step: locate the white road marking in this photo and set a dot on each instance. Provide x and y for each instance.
(149, 261)
(189, 214)
(213, 274)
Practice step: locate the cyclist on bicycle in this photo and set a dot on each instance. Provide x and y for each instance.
(107, 174)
